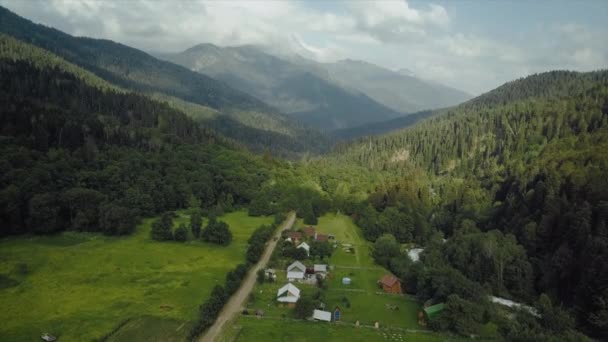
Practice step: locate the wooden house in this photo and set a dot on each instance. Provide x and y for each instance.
(390, 284)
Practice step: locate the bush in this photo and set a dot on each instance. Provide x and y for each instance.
(217, 232)
(181, 233)
(279, 218)
(257, 242)
(304, 307)
(261, 276)
(162, 228)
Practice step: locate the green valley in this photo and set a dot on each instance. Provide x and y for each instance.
(141, 200)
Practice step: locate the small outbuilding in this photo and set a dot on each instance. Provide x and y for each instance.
(432, 311)
(346, 281)
(337, 314)
(320, 268)
(321, 315)
(390, 284)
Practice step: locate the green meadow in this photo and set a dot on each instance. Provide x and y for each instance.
(361, 301)
(81, 286)
(250, 328)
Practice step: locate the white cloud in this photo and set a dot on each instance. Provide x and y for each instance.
(396, 34)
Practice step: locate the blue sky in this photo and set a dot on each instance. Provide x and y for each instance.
(470, 45)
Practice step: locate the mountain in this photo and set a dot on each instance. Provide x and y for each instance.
(303, 90)
(231, 112)
(399, 91)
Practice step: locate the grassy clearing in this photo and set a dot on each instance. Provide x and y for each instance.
(366, 303)
(80, 286)
(252, 329)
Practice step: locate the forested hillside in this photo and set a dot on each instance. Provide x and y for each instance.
(81, 154)
(522, 168)
(218, 105)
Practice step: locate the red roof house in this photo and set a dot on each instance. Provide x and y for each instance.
(309, 231)
(321, 237)
(390, 284)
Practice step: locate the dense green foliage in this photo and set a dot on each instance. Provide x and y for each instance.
(515, 179)
(257, 242)
(162, 229)
(113, 156)
(217, 232)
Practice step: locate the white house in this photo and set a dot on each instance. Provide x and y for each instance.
(306, 247)
(320, 268)
(297, 270)
(321, 315)
(288, 294)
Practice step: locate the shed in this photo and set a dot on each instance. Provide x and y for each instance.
(320, 268)
(346, 281)
(390, 284)
(337, 314)
(320, 315)
(432, 311)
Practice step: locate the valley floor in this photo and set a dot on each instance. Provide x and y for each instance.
(82, 286)
(366, 302)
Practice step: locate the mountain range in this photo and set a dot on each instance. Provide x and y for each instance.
(229, 111)
(328, 96)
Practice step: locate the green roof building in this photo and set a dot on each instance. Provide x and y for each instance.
(432, 311)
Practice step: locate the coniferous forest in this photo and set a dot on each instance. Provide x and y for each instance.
(507, 193)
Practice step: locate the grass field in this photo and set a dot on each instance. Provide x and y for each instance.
(253, 329)
(366, 302)
(80, 286)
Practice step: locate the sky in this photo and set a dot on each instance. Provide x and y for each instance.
(471, 45)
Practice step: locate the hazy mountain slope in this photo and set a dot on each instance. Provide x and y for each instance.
(398, 91)
(304, 90)
(381, 127)
(135, 70)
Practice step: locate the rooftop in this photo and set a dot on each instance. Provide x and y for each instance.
(309, 231)
(389, 280)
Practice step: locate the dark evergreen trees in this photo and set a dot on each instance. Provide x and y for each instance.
(217, 232)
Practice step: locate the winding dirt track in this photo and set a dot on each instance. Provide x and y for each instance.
(235, 303)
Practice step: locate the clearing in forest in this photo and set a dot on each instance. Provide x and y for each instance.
(82, 286)
(361, 301)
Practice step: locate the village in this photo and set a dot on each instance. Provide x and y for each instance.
(325, 274)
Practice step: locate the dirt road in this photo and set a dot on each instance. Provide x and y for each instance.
(235, 303)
